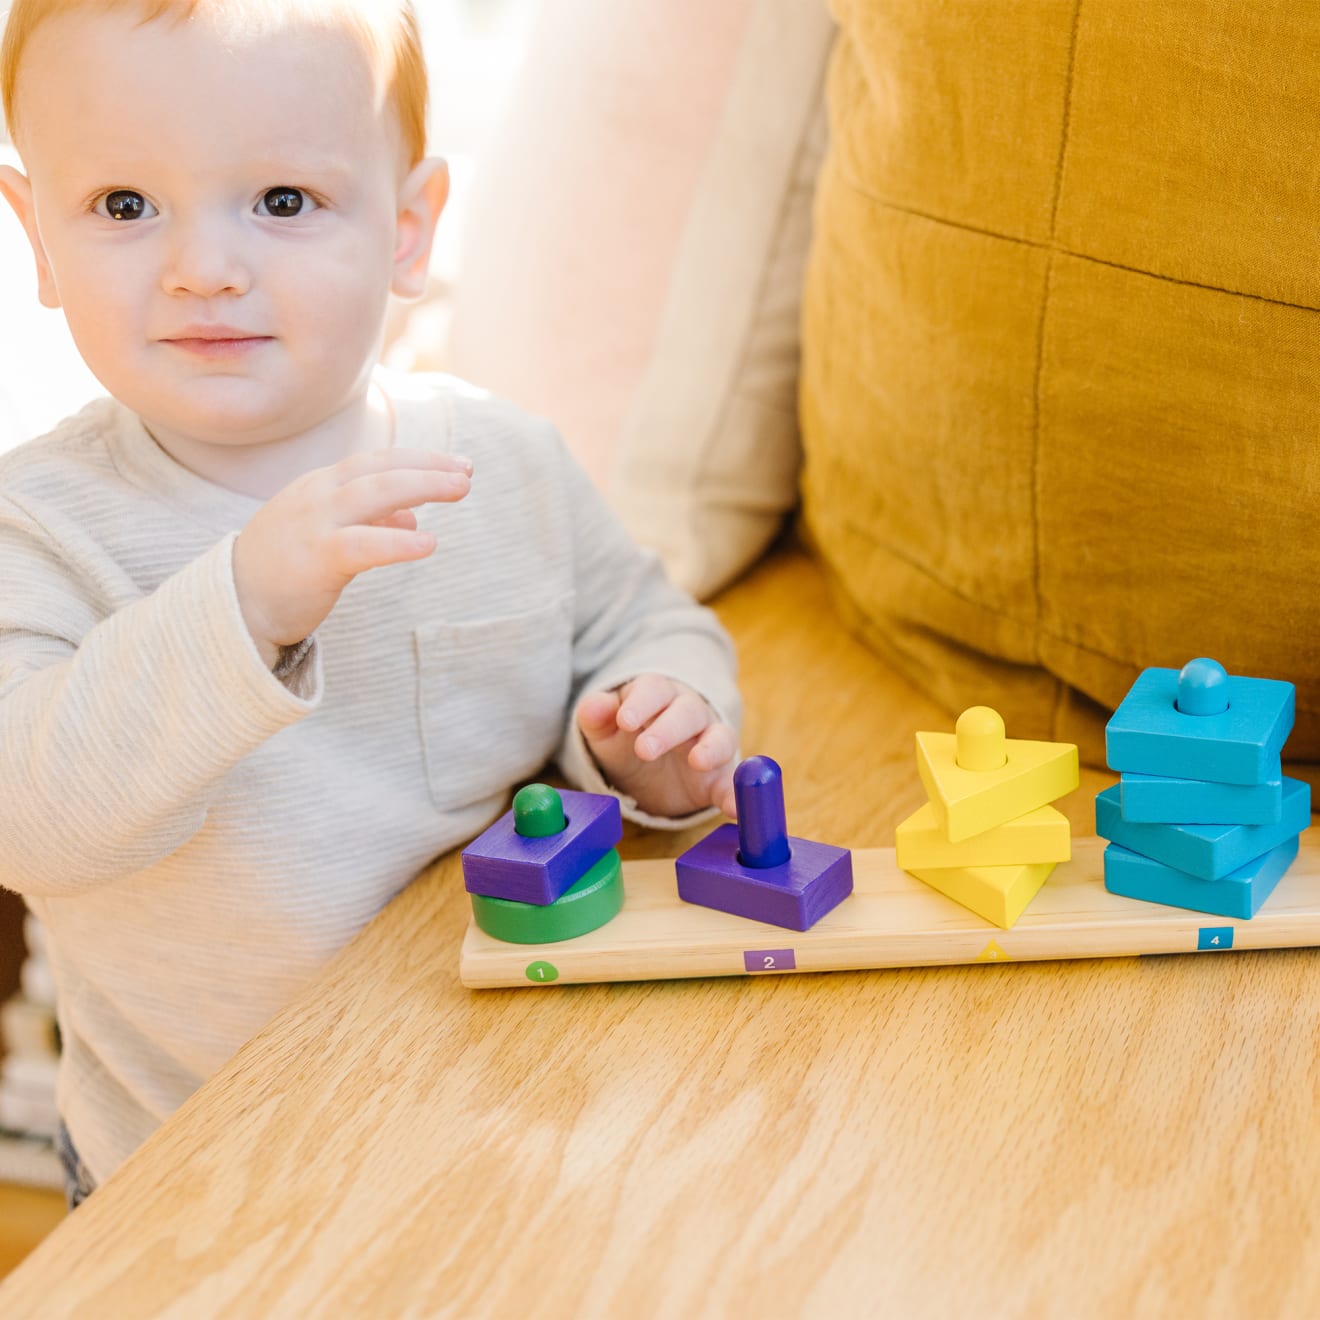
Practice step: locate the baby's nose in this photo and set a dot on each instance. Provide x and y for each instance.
(205, 258)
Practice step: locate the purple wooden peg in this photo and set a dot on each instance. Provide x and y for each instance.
(755, 869)
(758, 791)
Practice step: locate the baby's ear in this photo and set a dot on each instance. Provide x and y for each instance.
(422, 197)
(18, 193)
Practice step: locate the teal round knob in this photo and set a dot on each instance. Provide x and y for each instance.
(538, 810)
(1202, 688)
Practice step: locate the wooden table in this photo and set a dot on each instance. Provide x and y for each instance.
(1108, 1138)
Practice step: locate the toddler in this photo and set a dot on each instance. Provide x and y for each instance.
(278, 626)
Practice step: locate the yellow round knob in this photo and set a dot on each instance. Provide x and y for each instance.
(980, 733)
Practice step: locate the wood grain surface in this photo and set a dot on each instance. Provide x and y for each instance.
(1102, 1138)
(27, 1215)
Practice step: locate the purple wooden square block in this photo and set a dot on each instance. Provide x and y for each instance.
(794, 894)
(501, 863)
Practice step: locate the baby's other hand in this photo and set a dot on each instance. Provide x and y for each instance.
(311, 539)
(658, 741)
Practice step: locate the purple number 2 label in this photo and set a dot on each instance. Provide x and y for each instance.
(769, 960)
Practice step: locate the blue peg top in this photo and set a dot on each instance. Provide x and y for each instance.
(1202, 688)
(758, 792)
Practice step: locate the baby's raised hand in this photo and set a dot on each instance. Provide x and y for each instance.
(308, 542)
(658, 741)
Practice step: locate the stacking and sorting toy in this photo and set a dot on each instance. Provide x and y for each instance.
(988, 837)
(978, 779)
(1201, 723)
(1204, 851)
(548, 869)
(756, 869)
(1238, 894)
(1043, 835)
(1203, 817)
(1156, 798)
(585, 906)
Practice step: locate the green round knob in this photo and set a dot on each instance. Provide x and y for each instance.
(538, 810)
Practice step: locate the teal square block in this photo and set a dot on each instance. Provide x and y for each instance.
(1149, 735)
(1238, 894)
(1205, 851)
(1151, 799)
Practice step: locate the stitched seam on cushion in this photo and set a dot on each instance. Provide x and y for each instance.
(869, 534)
(1072, 643)
(1056, 711)
(1070, 252)
(906, 557)
(1067, 120)
(1048, 285)
(972, 601)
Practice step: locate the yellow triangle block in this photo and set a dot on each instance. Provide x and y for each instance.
(997, 893)
(978, 779)
(1043, 835)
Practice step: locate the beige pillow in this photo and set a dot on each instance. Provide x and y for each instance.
(633, 258)
(578, 204)
(709, 458)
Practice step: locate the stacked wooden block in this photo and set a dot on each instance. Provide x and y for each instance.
(1203, 817)
(988, 837)
(756, 869)
(547, 870)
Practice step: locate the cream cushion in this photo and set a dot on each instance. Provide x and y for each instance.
(633, 260)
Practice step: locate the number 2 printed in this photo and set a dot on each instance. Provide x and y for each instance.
(769, 960)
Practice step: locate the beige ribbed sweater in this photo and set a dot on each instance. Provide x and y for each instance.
(198, 836)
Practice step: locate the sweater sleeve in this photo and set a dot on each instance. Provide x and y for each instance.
(629, 620)
(113, 736)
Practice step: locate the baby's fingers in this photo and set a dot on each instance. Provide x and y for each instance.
(353, 550)
(713, 758)
(379, 495)
(644, 698)
(392, 460)
(716, 747)
(685, 717)
(597, 715)
(404, 518)
(722, 794)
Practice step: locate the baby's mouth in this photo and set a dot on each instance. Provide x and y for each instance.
(219, 345)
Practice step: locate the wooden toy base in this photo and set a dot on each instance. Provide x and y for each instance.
(891, 920)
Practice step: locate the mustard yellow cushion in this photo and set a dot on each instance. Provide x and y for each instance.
(1060, 389)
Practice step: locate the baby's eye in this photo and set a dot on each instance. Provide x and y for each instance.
(285, 202)
(125, 204)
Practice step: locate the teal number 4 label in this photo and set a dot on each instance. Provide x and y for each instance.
(1215, 937)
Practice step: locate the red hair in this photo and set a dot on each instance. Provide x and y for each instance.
(386, 30)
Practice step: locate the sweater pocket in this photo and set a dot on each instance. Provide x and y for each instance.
(493, 700)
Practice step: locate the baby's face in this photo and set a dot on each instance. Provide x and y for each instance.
(186, 187)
